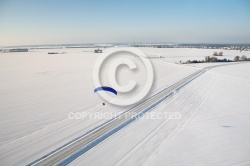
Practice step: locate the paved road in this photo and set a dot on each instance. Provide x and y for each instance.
(74, 149)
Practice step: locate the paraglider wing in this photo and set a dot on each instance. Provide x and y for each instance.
(105, 88)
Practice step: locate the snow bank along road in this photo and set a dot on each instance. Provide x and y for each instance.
(79, 146)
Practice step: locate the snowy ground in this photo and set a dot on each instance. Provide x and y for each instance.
(38, 91)
(213, 129)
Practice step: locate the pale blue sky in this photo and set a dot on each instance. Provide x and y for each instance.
(35, 22)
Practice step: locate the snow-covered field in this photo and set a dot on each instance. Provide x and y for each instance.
(38, 90)
(213, 129)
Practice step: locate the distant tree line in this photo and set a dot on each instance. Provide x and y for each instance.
(209, 59)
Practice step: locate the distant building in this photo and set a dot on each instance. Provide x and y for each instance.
(98, 51)
(52, 52)
(15, 50)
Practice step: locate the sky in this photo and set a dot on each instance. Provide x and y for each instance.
(44, 22)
